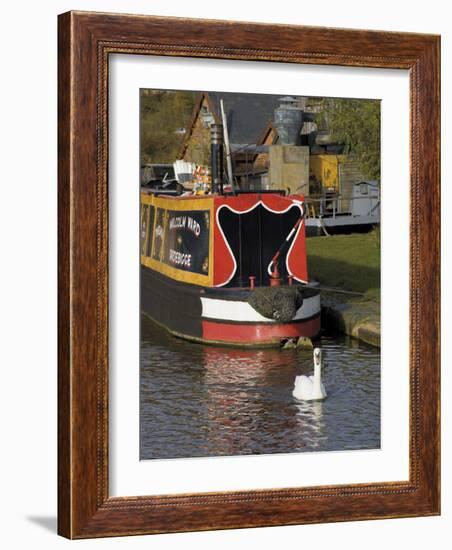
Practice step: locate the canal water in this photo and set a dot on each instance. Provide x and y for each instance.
(198, 400)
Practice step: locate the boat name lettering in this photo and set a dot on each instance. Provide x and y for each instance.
(179, 258)
(178, 222)
(194, 226)
(185, 222)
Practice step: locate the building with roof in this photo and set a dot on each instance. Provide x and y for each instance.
(251, 129)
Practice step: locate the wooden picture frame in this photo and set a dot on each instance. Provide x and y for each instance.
(86, 40)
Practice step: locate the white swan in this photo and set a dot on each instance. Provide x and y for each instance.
(310, 388)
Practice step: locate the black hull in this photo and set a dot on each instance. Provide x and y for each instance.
(178, 307)
(175, 305)
(316, 231)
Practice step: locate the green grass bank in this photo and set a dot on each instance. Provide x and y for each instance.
(348, 263)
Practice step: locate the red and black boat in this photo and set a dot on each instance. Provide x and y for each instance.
(227, 268)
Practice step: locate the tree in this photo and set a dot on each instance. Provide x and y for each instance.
(162, 114)
(356, 123)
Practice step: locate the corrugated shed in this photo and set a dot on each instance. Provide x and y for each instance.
(349, 173)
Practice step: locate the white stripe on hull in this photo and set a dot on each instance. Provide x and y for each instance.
(230, 310)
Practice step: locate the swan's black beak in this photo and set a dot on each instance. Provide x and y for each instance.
(317, 356)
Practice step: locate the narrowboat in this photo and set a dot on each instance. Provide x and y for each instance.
(227, 268)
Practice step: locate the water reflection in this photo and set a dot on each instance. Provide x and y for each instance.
(200, 400)
(309, 416)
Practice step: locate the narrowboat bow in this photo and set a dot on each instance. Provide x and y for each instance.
(227, 268)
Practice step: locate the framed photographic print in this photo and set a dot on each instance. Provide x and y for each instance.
(248, 275)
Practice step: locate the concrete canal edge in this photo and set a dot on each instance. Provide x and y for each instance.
(354, 319)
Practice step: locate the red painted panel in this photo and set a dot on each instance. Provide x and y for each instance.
(296, 260)
(259, 332)
(222, 257)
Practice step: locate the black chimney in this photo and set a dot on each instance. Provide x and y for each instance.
(216, 157)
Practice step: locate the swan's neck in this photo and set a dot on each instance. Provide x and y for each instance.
(317, 376)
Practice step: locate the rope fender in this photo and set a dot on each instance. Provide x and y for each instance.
(277, 303)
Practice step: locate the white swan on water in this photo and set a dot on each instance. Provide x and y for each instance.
(311, 388)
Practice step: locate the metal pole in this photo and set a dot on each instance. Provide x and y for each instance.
(226, 143)
(216, 157)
